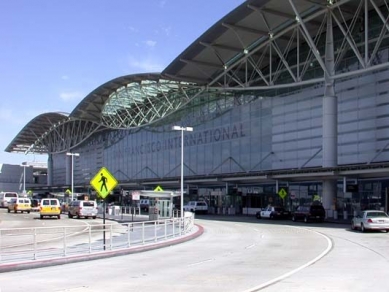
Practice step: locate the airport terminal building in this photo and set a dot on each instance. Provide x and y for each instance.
(281, 95)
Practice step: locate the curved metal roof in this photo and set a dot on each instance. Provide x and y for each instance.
(34, 130)
(134, 100)
(262, 38)
(91, 107)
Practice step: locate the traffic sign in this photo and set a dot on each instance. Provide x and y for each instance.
(283, 192)
(316, 197)
(103, 182)
(158, 189)
(136, 195)
(293, 195)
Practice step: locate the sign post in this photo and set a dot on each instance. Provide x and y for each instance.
(103, 182)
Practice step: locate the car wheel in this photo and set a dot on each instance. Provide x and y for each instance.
(363, 229)
(94, 217)
(258, 216)
(271, 216)
(41, 216)
(59, 216)
(9, 211)
(305, 219)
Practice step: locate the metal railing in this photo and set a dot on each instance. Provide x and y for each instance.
(40, 243)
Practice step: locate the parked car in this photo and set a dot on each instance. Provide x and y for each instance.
(50, 207)
(309, 213)
(82, 208)
(370, 220)
(196, 207)
(19, 205)
(273, 212)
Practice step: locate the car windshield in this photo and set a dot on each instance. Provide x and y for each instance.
(376, 214)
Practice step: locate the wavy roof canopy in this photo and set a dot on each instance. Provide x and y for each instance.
(122, 103)
(250, 48)
(134, 100)
(35, 129)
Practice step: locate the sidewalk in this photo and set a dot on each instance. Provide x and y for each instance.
(125, 218)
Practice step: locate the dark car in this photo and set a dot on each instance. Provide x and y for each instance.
(35, 204)
(309, 213)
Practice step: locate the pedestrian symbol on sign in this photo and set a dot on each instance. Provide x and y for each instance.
(103, 181)
(283, 192)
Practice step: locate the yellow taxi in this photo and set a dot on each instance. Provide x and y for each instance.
(50, 207)
(19, 205)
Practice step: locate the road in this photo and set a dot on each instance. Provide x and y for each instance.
(241, 255)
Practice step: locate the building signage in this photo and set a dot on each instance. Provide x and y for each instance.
(191, 139)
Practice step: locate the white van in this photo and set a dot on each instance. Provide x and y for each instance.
(6, 197)
(196, 207)
(82, 208)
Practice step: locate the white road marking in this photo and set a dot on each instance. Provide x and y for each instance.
(268, 283)
(199, 263)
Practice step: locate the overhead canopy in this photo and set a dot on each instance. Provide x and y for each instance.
(134, 100)
(162, 194)
(256, 39)
(248, 49)
(35, 129)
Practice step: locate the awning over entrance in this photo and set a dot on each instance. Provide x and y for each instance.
(162, 194)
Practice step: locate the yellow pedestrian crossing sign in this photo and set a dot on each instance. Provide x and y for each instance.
(283, 192)
(103, 182)
(158, 189)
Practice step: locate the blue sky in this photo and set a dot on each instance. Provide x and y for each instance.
(53, 53)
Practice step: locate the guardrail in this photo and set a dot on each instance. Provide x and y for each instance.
(41, 243)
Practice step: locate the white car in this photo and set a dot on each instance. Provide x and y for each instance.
(272, 212)
(196, 207)
(370, 220)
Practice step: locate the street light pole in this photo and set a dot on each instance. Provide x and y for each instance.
(182, 129)
(24, 165)
(72, 155)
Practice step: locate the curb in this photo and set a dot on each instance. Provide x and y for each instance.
(11, 267)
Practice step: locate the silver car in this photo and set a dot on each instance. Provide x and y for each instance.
(370, 220)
